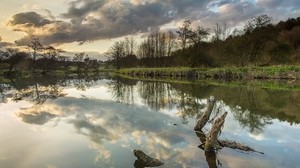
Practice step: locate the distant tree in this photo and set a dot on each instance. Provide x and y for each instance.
(3, 55)
(220, 32)
(197, 36)
(258, 32)
(129, 45)
(116, 53)
(64, 63)
(79, 59)
(49, 60)
(90, 64)
(36, 46)
(171, 46)
(184, 34)
(237, 49)
(14, 58)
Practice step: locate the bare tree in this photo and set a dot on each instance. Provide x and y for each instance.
(220, 32)
(129, 45)
(116, 53)
(78, 59)
(184, 33)
(199, 35)
(36, 46)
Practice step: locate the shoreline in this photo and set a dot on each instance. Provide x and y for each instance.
(286, 72)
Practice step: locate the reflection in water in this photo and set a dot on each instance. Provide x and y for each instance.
(210, 156)
(148, 117)
(254, 122)
(211, 144)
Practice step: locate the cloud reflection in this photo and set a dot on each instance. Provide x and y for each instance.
(115, 128)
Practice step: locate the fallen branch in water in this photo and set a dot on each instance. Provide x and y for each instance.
(236, 145)
(211, 142)
(145, 161)
(205, 117)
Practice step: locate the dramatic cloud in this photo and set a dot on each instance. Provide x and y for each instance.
(90, 20)
(28, 19)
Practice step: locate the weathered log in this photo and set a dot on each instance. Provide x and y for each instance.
(145, 160)
(205, 116)
(211, 142)
(236, 145)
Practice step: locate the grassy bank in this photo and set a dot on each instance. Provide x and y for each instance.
(271, 72)
(273, 84)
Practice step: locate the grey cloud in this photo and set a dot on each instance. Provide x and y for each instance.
(280, 10)
(90, 20)
(269, 3)
(29, 19)
(87, 7)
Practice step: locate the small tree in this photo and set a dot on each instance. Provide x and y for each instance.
(78, 59)
(36, 46)
(49, 60)
(258, 31)
(184, 34)
(116, 53)
(199, 35)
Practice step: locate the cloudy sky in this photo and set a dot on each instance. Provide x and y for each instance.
(93, 25)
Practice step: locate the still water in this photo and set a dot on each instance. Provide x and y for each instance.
(75, 123)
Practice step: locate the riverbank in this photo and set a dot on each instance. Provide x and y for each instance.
(286, 72)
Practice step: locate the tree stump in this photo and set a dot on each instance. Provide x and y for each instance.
(205, 116)
(211, 143)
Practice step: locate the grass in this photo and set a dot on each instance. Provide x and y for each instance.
(251, 72)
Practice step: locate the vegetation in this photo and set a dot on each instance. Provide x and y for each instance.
(44, 60)
(253, 72)
(258, 43)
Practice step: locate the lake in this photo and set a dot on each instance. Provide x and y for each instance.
(99, 122)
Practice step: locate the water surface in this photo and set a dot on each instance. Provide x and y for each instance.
(98, 122)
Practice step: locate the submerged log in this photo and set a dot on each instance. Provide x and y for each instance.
(205, 117)
(211, 142)
(144, 160)
(236, 145)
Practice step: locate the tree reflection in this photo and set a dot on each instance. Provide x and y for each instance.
(84, 82)
(122, 90)
(188, 106)
(33, 90)
(38, 93)
(247, 119)
(156, 95)
(211, 157)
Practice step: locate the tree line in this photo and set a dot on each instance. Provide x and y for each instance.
(258, 42)
(40, 59)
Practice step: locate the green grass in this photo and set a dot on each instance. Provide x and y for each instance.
(251, 72)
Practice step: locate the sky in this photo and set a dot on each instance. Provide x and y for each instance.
(92, 26)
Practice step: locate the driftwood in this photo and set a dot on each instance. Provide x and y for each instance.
(211, 142)
(205, 117)
(143, 160)
(236, 145)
